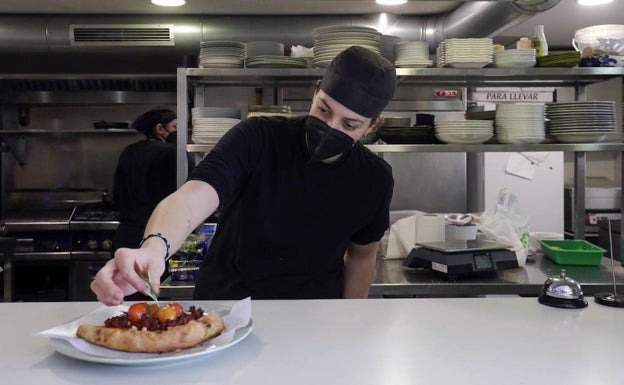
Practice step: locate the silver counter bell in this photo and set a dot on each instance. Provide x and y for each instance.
(563, 292)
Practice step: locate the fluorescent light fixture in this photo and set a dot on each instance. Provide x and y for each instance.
(169, 3)
(390, 2)
(593, 2)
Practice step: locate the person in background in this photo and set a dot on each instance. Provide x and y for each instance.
(145, 174)
(303, 203)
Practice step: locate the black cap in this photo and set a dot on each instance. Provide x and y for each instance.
(150, 119)
(361, 80)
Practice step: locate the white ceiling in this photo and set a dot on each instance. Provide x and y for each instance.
(560, 22)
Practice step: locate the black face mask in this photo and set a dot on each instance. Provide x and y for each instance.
(323, 141)
(172, 137)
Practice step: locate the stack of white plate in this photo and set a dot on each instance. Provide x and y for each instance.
(515, 58)
(221, 54)
(210, 123)
(274, 61)
(261, 48)
(580, 122)
(520, 123)
(270, 54)
(412, 54)
(465, 53)
(464, 131)
(330, 41)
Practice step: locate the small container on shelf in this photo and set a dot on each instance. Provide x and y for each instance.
(572, 251)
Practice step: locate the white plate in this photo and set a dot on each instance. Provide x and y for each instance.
(67, 349)
(523, 140)
(466, 139)
(467, 64)
(579, 138)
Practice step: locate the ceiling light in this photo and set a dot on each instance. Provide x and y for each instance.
(390, 2)
(169, 3)
(593, 2)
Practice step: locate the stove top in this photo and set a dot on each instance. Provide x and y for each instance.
(94, 212)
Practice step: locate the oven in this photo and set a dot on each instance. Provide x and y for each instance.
(91, 227)
(55, 259)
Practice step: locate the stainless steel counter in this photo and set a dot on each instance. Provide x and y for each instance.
(392, 279)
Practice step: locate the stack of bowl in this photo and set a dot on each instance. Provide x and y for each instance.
(464, 131)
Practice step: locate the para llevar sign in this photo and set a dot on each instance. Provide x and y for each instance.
(513, 95)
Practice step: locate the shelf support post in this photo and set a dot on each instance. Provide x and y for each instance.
(580, 158)
(182, 112)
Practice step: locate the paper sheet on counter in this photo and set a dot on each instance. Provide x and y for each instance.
(524, 164)
(401, 238)
(406, 232)
(239, 316)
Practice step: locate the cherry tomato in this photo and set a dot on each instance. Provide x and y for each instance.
(177, 307)
(152, 310)
(165, 314)
(136, 311)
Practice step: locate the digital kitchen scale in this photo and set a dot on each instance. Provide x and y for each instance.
(455, 258)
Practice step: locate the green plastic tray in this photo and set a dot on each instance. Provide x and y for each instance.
(572, 252)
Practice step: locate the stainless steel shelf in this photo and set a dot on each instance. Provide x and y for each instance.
(36, 225)
(91, 98)
(577, 78)
(537, 76)
(94, 131)
(586, 147)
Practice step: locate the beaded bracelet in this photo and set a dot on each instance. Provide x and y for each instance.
(157, 235)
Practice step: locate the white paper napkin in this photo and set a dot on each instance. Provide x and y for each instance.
(519, 165)
(402, 238)
(239, 316)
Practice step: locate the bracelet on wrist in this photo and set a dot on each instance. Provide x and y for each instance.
(157, 235)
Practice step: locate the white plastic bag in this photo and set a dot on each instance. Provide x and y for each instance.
(504, 224)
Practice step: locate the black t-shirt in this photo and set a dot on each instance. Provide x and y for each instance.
(145, 174)
(286, 223)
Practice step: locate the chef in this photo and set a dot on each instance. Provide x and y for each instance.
(145, 174)
(303, 204)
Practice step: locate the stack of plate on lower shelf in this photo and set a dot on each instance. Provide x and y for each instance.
(270, 54)
(221, 54)
(330, 41)
(412, 54)
(398, 130)
(514, 58)
(465, 53)
(274, 61)
(464, 131)
(520, 123)
(262, 48)
(580, 122)
(210, 123)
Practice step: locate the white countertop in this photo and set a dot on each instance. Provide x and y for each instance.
(495, 340)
